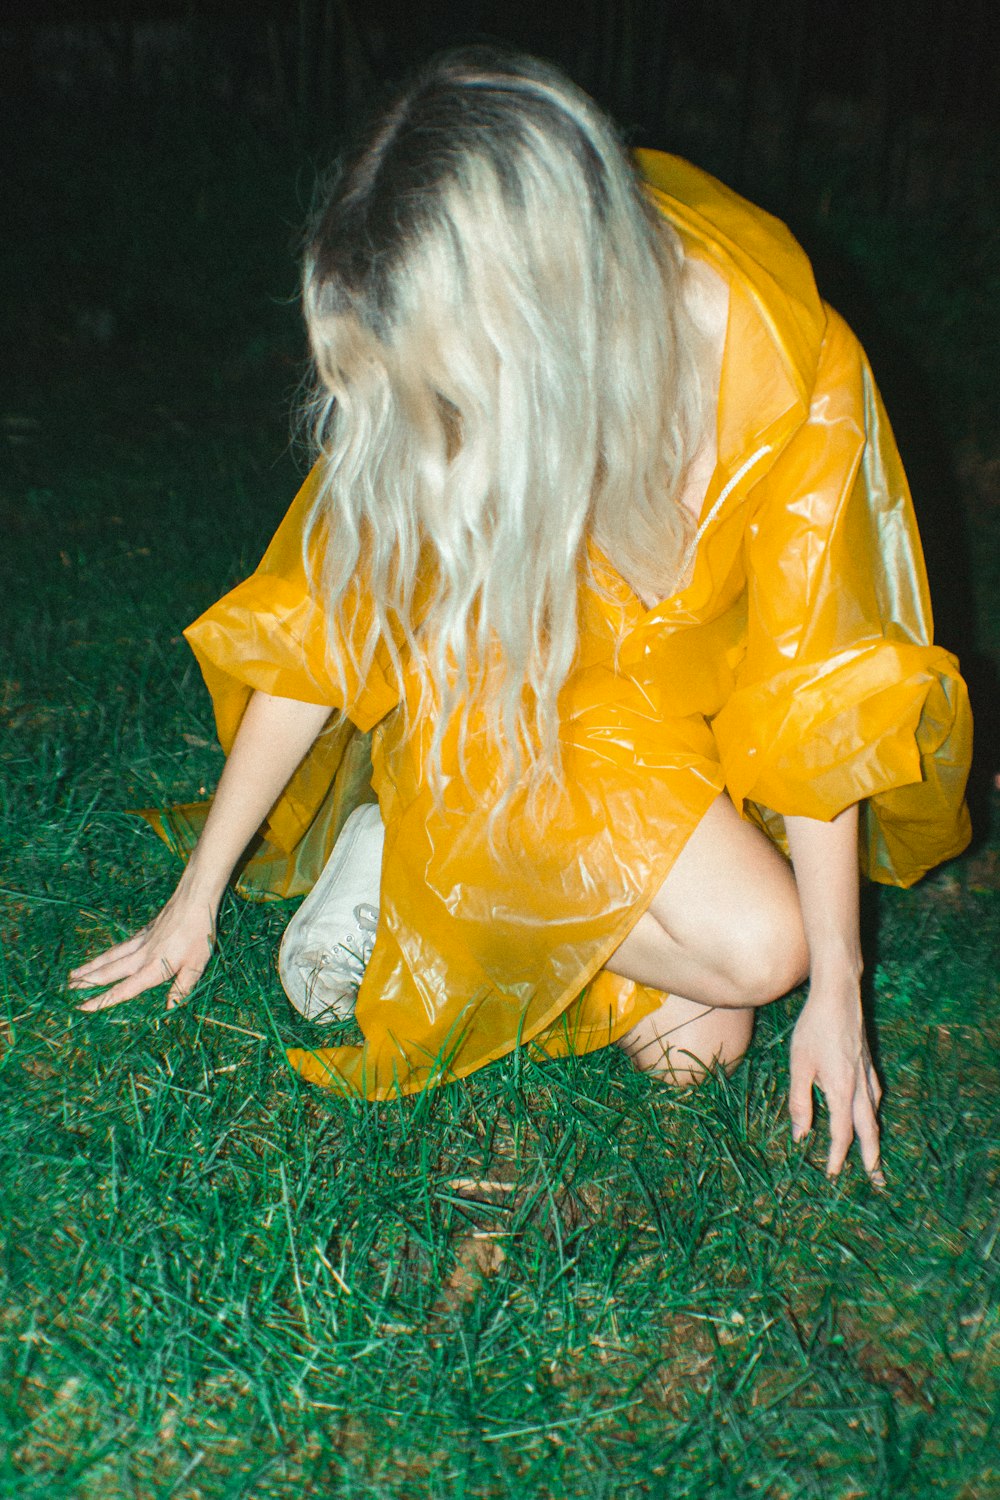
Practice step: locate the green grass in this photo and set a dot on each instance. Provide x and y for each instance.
(555, 1279)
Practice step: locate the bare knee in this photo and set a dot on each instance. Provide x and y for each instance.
(725, 928)
(681, 1043)
(767, 955)
(684, 1072)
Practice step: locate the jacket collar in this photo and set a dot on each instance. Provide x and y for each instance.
(776, 318)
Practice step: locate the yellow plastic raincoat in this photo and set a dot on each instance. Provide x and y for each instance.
(794, 669)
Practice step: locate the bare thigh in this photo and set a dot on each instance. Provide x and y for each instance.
(722, 936)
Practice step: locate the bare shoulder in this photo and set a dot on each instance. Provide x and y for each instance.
(706, 293)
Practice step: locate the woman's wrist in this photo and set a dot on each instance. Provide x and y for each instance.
(836, 963)
(201, 886)
(825, 859)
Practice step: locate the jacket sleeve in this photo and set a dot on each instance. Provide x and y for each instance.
(271, 634)
(841, 695)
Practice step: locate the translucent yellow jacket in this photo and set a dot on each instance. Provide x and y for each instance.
(794, 669)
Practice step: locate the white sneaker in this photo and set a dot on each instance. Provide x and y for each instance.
(328, 942)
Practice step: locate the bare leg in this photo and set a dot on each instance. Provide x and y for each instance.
(722, 936)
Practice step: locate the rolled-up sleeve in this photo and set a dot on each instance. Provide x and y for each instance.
(841, 695)
(271, 634)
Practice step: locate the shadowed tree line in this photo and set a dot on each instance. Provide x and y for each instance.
(733, 77)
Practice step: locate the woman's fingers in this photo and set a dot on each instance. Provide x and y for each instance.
(83, 972)
(800, 1102)
(852, 1114)
(184, 982)
(855, 1116)
(866, 1125)
(839, 1105)
(146, 978)
(173, 949)
(868, 1140)
(108, 971)
(154, 972)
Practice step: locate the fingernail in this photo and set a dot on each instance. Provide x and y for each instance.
(798, 1131)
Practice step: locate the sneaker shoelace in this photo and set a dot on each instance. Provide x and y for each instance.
(366, 917)
(351, 956)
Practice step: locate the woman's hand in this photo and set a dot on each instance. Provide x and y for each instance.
(174, 948)
(829, 1047)
(273, 736)
(830, 1051)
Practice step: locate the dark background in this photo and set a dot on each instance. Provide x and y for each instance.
(162, 158)
(742, 79)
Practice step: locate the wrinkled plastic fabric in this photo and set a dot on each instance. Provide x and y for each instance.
(793, 669)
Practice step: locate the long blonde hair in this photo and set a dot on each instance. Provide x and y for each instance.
(505, 367)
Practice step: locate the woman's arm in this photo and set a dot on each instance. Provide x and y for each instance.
(829, 1048)
(273, 737)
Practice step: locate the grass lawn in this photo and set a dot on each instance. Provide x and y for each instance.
(554, 1279)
